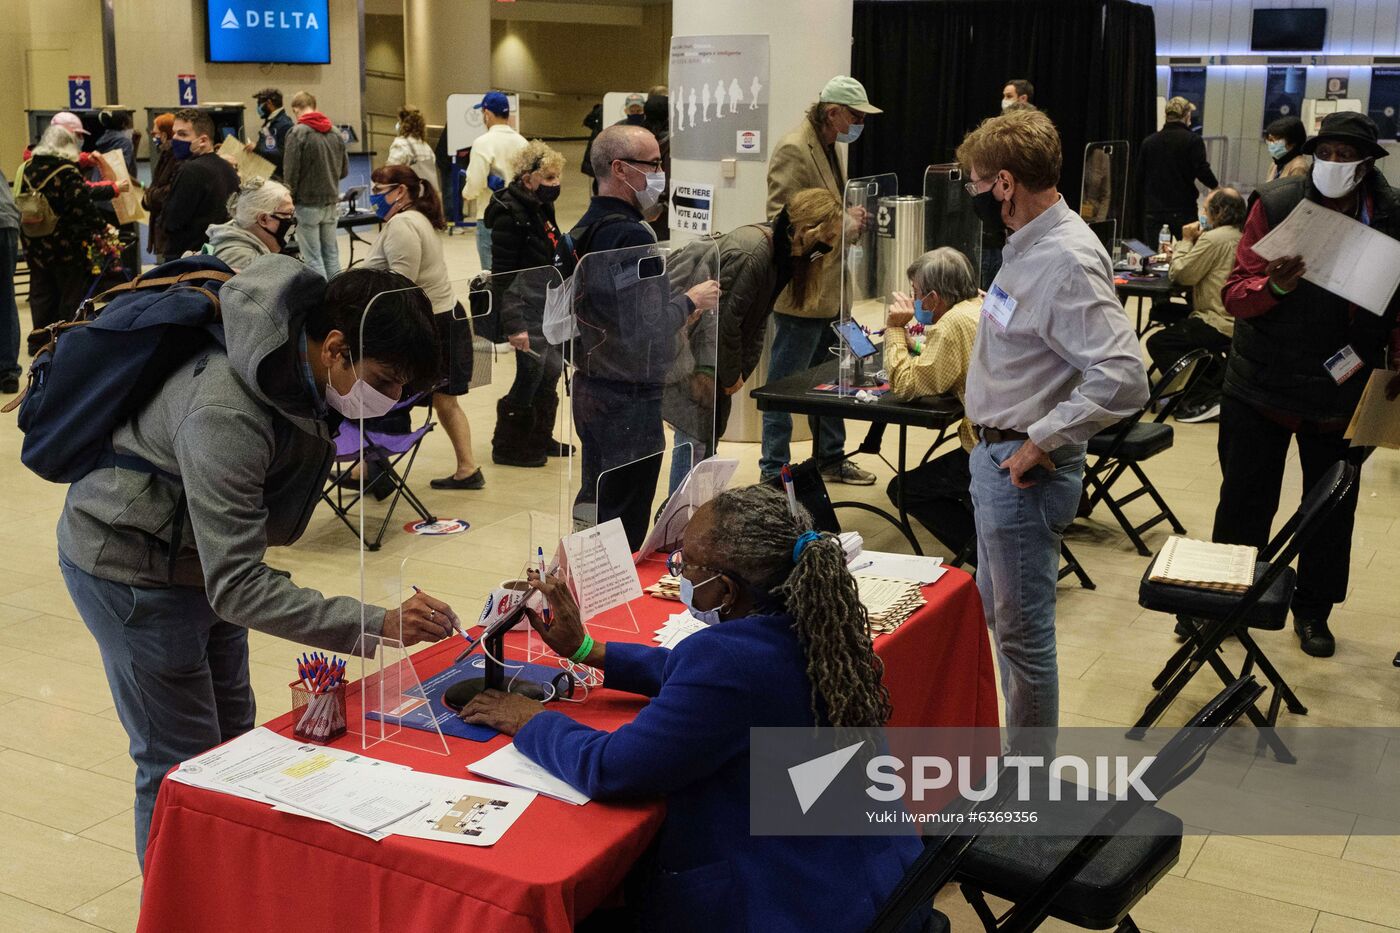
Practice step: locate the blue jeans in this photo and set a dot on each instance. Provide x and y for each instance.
(316, 237)
(483, 245)
(799, 343)
(1018, 562)
(9, 311)
(178, 674)
(686, 451)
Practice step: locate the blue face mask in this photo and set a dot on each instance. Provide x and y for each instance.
(381, 205)
(851, 134)
(1277, 149)
(921, 314)
(703, 616)
(180, 149)
(1203, 221)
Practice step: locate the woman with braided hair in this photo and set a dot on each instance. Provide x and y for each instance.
(787, 645)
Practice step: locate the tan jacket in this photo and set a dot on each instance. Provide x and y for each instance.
(800, 161)
(1298, 165)
(1205, 265)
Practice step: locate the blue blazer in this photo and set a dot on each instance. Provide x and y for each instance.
(691, 745)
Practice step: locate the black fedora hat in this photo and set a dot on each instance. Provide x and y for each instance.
(1350, 127)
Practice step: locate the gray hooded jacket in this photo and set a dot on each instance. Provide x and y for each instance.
(241, 431)
(234, 245)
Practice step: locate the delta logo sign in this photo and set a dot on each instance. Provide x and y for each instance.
(271, 19)
(294, 31)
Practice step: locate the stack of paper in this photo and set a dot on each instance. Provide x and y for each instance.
(921, 570)
(509, 766)
(887, 601)
(668, 587)
(1205, 565)
(852, 543)
(677, 628)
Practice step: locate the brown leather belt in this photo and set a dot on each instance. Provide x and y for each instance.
(997, 435)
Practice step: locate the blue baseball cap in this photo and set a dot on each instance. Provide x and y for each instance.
(496, 102)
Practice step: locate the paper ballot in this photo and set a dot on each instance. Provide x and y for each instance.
(353, 794)
(509, 766)
(1342, 255)
(248, 164)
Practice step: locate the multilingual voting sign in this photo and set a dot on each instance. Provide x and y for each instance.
(692, 207)
(719, 98)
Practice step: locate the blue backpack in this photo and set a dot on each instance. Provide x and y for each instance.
(95, 372)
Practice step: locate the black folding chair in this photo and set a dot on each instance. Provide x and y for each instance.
(1264, 605)
(1093, 880)
(1122, 448)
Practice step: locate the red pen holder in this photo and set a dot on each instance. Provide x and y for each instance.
(318, 717)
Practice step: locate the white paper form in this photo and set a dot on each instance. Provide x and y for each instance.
(706, 479)
(509, 766)
(229, 767)
(470, 813)
(600, 566)
(1342, 255)
(350, 793)
(912, 567)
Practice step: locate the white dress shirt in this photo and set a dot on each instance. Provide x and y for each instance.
(493, 153)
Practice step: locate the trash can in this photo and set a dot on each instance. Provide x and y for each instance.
(899, 227)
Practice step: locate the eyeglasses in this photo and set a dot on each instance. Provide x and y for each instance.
(676, 565)
(655, 165)
(971, 186)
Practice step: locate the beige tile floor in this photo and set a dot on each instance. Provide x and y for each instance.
(65, 809)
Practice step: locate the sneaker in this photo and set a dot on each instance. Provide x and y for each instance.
(850, 474)
(1315, 637)
(1188, 413)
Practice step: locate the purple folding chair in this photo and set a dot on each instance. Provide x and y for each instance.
(386, 448)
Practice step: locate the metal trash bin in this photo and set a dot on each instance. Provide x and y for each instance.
(899, 225)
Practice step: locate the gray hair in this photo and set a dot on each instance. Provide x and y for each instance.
(257, 196)
(945, 271)
(59, 142)
(615, 142)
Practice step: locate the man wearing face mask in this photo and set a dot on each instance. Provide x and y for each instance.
(241, 440)
(1298, 362)
(807, 157)
(1017, 91)
(627, 334)
(263, 218)
(199, 195)
(1055, 362)
(272, 135)
(491, 166)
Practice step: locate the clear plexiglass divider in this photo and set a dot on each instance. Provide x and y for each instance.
(1103, 194)
(869, 243)
(949, 219)
(645, 326)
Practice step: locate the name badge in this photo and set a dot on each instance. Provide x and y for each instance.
(999, 306)
(1343, 364)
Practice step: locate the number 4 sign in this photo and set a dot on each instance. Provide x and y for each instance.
(189, 95)
(79, 92)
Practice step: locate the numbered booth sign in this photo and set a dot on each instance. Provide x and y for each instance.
(189, 94)
(79, 92)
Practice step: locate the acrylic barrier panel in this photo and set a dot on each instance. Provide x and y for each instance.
(1103, 195)
(642, 361)
(875, 219)
(949, 219)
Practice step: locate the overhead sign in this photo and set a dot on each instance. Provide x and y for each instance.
(79, 92)
(188, 93)
(719, 97)
(692, 207)
(282, 31)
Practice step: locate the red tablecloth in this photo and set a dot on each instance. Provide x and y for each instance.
(221, 863)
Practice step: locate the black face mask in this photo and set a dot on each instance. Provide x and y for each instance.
(988, 210)
(285, 226)
(817, 251)
(547, 194)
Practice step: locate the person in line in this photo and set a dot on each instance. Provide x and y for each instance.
(271, 143)
(1055, 361)
(410, 246)
(263, 218)
(1279, 385)
(1171, 162)
(63, 263)
(1284, 139)
(628, 334)
(756, 263)
(525, 236)
(594, 124)
(1017, 91)
(633, 110)
(788, 645)
(199, 195)
(410, 146)
(489, 169)
(241, 438)
(656, 117)
(946, 304)
(803, 337)
(154, 195)
(119, 136)
(10, 370)
(1203, 260)
(313, 164)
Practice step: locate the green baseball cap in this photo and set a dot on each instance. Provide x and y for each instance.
(848, 92)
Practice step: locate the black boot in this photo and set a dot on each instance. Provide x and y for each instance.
(1315, 636)
(511, 443)
(546, 407)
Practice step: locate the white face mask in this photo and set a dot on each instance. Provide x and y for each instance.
(649, 198)
(1006, 103)
(362, 401)
(1334, 179)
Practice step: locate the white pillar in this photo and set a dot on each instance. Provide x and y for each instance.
(447, 50)
(809, 42)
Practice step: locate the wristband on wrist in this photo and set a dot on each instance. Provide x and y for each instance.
(1273, 287)
(584, 649)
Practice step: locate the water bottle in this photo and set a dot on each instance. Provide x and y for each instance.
(1164, 240)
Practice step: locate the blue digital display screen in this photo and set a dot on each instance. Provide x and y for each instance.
(280, 31)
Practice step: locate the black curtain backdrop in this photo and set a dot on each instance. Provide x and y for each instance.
(937, 68)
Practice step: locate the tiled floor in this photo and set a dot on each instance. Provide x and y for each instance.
(65, 809)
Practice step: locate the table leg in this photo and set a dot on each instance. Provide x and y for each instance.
(901, 522)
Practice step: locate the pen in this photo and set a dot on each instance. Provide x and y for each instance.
(869, 563)
(787, 487)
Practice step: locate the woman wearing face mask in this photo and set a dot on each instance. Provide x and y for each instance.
(262, 219)
(410, 147)
(162, 179)
(788, 644)
(524, 236)
(756, 264)
(1284, 139)
(409, 245)
(1299, 358)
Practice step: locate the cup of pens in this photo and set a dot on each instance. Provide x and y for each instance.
(318, 699)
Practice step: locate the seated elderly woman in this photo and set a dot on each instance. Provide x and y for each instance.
(788, 644)
(947, 305)
(261, 218)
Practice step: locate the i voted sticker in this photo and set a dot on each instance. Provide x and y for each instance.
(999, 306)
(1343, 364)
